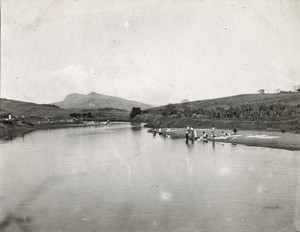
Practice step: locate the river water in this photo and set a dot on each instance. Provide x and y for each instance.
(121, 178)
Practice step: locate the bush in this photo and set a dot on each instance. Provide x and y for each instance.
(51, 105)
(169, 110)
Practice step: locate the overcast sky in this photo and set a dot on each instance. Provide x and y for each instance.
(156, 52)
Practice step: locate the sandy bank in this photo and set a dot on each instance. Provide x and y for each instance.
(278, 140)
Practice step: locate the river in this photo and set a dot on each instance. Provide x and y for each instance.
(121, 178)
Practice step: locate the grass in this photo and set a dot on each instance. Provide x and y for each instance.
(232, 101)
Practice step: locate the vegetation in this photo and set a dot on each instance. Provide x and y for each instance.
(280, 111)
(75, 115)
(51, 105)
(110, 108)
(241, 111)
(135, 111)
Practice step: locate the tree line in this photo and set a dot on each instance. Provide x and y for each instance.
(76, 115)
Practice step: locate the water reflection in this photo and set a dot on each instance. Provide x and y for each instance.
(115, 179)
(213, 146)
(136, 126)
(190, 146)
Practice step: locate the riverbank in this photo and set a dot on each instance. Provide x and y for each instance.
(277, 140)
(11, 130)
(290, 125)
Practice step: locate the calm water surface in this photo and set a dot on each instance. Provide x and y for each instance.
(121, 178)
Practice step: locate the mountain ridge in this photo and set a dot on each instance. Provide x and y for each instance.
(96, 100)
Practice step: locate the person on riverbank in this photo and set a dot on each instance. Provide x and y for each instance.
(235, 132)
(160, 131)
(191, 134)
(204, 136)
(213, 131)
(195, 135)
(187, 135)
(154, 131)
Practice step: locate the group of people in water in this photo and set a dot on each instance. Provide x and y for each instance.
(159, 131)
(191, 134)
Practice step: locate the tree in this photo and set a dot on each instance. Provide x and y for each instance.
(262, 91)
(75, 115)
(187, 111)
(135, 111)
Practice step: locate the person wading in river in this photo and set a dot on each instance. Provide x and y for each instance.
(187, 135)
(213, 131)
(195, 134)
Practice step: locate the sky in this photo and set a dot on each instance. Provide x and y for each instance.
(153, 51)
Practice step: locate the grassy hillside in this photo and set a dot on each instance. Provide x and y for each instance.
(292, 99)
(28, 109)
(30, 116)
(280, 112)
(42, 111)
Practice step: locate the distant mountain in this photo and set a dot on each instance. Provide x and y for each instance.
(95, 100)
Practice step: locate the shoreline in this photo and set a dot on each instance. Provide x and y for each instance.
(13, 131)
(275, 140)
(284, 125)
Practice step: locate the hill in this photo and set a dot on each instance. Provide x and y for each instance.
(292, 99)
(30, 110)
(33, 112)
(95, 100)
(280, 112)
(28, 116)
